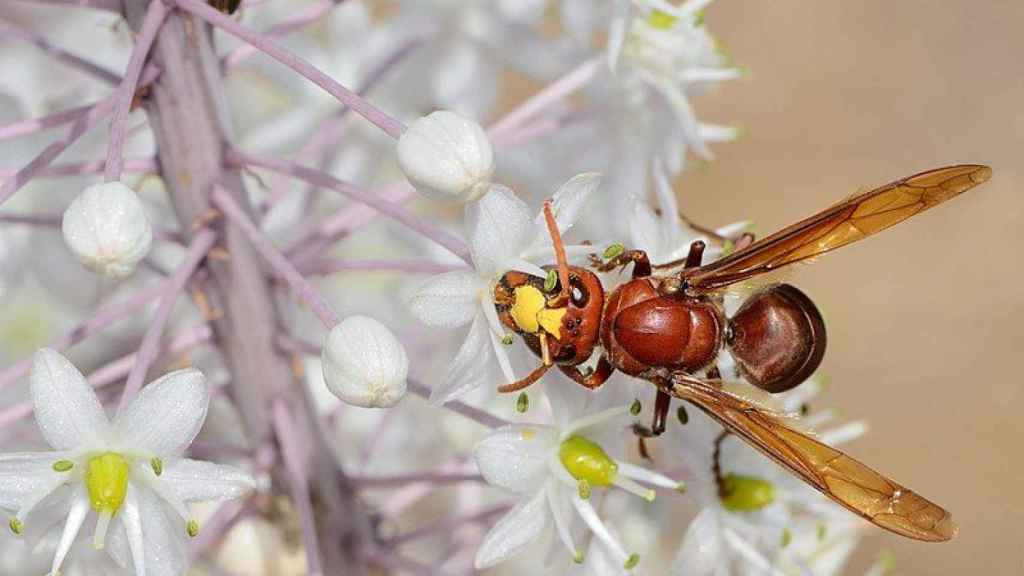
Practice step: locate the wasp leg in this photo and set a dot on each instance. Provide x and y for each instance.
(716, 463)
(661, 406)
(593, 380)
(641, 263)
(525, 382)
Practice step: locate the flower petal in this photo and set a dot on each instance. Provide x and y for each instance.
(447, 300)
(76, 516)
(67, 410)
(21, 474)
(166, 416)
(515, 457)
(645, 232)
(150, 537)
(500, 228)
(198, 481)
(701, 550)
(470, 366)
(521, 526)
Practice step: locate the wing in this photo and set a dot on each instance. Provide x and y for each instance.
(842, 224)
(838, 476)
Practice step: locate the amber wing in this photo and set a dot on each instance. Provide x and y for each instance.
(838, 476)
(842, 224)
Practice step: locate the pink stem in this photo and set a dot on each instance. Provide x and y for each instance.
(433, 478)
(292, 450)
(109, 5)
(561, 88)
(325, 266)
(379, 118)
(101, 319)
(300, 20)
(317, 303)
(58, 53)
(134, 165)
(154, 19)
(33, 125)
(395, 211)
(172, 288)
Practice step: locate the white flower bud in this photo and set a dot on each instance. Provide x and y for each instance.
(364, 364)
(446, 157)
(107, 229)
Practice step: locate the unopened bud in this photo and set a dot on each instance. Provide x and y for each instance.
(446, 157)
(364, 364)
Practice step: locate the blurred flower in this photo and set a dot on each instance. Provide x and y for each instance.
(107, 229)
(503, 236)
(446, 157)
(364, 364)
(128, 471)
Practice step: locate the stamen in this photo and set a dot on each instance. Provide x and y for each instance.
(595, 419)
(634, 488)
(583, 488)
(632, 561)
(76, 516)
(561, 522)
(593, 521)
(99, 537)
(522, 403)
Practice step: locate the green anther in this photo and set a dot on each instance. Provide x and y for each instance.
(698, 19)
(787, 537)
(727, 247)
(157, 465)
(746, 493)
(586, 460)
(635, 407)
(63, 465)
(805, 409)
(632, 561)
(551, 281)
(613, 251)
(522, 403)
(681, 487)
(106, 478)
(887, 561)
(192, 527)
(507, 340)
(822, 531)
(682, 415)
(661, 20)
(16, 526)
(584, 489)
(578, 558)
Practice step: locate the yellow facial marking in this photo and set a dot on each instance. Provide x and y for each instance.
(106, 478)
(531, 314)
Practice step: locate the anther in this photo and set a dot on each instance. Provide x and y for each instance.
(522, 403)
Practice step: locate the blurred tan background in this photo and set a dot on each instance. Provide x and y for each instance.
(926, 320)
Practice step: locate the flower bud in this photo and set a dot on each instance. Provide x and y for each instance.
(446, 157)
(107, 229)
(364, 364)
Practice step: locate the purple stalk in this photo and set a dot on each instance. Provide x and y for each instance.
(110, 5)
(557, 90)
(57, 53)
(292, 450)
(300, 20)
(102, 318)
(317, 303)
(33, 125)
(133, 165)
(376, 116)
(154, 19)
(172, 288)
(395, 211)
(325, 266)
(434, 478)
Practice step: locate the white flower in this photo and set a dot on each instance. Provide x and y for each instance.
(107, 229)
(503, 236)
(364, 364)
(668, 49)
(664, 236)
(129, 472)
(555, 469)
(446, 157)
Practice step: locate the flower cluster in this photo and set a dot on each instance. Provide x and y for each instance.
(338, 234)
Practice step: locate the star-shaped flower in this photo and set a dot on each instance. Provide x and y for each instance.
(503, 235)
(129, 472)
(555, 468)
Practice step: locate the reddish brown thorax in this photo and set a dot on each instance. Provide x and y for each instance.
(578, 327)
(644, 329)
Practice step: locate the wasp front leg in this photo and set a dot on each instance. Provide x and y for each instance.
(641, 263)
(593, 379)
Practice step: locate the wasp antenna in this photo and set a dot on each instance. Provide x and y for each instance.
(556, 241)
(525, 382)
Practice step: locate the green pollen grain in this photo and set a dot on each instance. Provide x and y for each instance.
(632, 561)
(16, 526)
(635, 407)
(551, 281)
(192, 528)
(682, 415)
(157, 465)
(507, 340)
(63, 465)
(613, 251)
(522, 403)
(578, 558)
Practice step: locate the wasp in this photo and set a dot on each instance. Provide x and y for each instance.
(668, 325)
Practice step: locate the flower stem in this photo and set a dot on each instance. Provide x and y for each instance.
(7, 29)
(552, 93)
(317, 303)
(292, 449)
(154, 19)
(173, 287)
(376, 116)
(33, 125)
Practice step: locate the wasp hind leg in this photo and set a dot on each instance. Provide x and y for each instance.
(661, 406)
